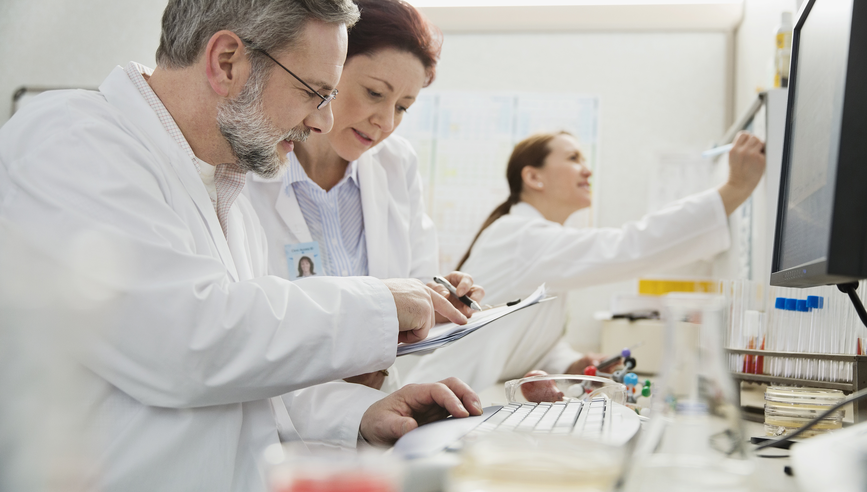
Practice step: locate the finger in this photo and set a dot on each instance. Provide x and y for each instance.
(412, 336)
(466, 394)
(477, 293)
(461, 307)
(445, 308)
(438, 395)
(439, 289)
(462, 282)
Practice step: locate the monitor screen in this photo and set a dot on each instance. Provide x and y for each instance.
(816, 116)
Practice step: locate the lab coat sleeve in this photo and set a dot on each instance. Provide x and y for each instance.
(331, 413)
(423, 235)
(176, 331)
(687, 230)
(559, 358)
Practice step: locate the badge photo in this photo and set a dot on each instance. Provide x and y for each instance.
(304, 260)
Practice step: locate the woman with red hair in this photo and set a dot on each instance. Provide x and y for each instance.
(355, 193)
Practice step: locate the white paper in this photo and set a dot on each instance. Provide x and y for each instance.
(445, 333)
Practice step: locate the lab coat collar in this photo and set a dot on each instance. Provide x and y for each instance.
(375, 205)
(524, 209)
(121, 93)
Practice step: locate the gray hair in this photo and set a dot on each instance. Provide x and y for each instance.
(274, 25)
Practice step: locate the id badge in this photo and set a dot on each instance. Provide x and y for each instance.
(304, 260)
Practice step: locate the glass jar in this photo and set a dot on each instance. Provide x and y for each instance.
(788, 408)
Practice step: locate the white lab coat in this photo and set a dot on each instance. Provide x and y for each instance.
(401, 238)
(199, 344)
(522, 249)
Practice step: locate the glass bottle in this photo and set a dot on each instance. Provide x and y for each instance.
(694, 440)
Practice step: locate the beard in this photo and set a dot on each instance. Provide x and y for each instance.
(249, 132)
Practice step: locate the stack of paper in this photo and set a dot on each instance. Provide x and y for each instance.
(445, 333)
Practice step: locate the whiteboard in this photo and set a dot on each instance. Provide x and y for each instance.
(463, 141)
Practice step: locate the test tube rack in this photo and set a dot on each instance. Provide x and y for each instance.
(859, 378)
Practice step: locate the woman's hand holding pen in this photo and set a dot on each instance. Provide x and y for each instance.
(417, 307)
(746, 166)
(464, 286)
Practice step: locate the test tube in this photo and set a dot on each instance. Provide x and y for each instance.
(791, 334)
(825, 328)
(774, 337)
(813, 344)
(803, 335)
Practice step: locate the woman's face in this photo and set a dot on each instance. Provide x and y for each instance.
(375, 92)
(564, 176)
(305, 267)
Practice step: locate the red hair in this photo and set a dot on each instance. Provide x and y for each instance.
(396, 24)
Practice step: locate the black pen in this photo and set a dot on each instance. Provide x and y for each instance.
(464, 299)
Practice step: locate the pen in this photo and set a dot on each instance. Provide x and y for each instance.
(464, 299)
(722, 149)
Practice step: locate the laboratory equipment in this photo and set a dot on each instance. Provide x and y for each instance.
(788, 408)
(295, 467)
(694, 440)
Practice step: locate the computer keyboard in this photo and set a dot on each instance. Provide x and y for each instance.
(598, 419)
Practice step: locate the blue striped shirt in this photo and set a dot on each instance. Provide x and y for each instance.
(334, 218)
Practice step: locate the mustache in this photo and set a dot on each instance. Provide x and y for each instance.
(297, 134)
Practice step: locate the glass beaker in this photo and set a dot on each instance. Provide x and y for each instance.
(694, 440)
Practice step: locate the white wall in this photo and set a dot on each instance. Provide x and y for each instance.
(72, 43)
(754, 48)
(658, 91)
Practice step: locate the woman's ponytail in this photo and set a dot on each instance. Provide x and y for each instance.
(531, 151)
(501, 210)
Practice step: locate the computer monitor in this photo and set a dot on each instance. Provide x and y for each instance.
(821, 230)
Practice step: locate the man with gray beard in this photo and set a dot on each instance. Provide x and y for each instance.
(197, 356)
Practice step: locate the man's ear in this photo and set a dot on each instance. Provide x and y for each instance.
(226, 65)
(532, 178)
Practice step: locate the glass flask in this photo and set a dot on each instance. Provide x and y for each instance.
(694, 440)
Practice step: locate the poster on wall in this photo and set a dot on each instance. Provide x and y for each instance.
(463, 141)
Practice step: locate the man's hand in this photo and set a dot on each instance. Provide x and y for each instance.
(416, 306)
(746, 166)
(389, 419)
(463, 284)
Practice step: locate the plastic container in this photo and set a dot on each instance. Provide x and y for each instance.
(788, 408)
(294, 467)
(783, 53)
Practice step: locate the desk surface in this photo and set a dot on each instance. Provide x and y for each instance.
(770, 476)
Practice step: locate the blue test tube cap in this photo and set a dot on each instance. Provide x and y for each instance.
(791, 304)
(821, 302)
(780, 303)
(802, 306)
(813, 302)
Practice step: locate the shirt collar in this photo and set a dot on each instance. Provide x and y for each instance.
(295, 172)
(136, 73)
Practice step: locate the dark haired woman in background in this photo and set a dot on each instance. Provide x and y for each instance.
(524, 243)
(356, 191)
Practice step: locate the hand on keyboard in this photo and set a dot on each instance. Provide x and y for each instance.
(417, 404)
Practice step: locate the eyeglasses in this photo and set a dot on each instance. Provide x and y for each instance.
(325, 99)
